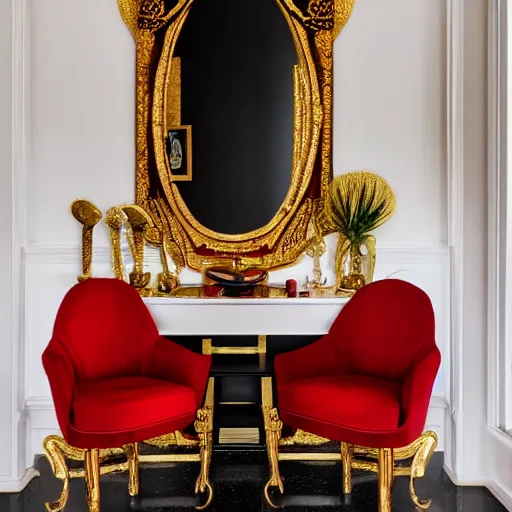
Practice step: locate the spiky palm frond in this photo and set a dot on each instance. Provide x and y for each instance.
(360, 202)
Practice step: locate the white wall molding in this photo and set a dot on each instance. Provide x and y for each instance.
(50, 254)
(20, 122)
(454, 460)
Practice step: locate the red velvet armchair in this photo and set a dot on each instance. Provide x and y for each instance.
(367, 384)
(116, 382)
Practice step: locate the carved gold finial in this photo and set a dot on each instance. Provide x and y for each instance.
(139, 221)
(342, 12)
(114, 219)
(88, 215)
(128, 10)
(167, 280)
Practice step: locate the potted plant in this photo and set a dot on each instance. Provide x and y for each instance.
(359, 203)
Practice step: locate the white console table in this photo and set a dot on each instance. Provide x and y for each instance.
(232, 316)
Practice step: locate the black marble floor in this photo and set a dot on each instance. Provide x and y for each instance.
(238, 487)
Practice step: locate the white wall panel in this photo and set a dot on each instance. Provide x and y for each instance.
(390, 109)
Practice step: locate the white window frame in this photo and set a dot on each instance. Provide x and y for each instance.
(499, 367)
(505, 116)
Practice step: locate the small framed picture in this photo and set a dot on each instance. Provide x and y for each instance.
(179, 152)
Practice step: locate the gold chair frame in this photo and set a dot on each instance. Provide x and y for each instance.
(99, 462)
(380, 461)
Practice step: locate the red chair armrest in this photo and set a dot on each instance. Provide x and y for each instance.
(320, 358)
(61, 376)
(172, 362)
(417, 391)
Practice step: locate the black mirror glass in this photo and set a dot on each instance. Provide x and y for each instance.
(237, 59)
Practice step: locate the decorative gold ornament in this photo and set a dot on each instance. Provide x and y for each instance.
(129, 12)
(273, 427)
(342, 12)
(301, 438)
(359, 202)
(316, 249)
(204, 427)
(88, 215)
(175, 439)
(139, 221)
(283, 240)
(115, 219)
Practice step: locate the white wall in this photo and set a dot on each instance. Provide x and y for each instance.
(83, 125)
(390, 117)
(390, 109)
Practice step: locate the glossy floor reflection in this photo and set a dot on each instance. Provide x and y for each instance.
(309, 487)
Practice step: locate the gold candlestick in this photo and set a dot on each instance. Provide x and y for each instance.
(88, 215)
(114, 219)
(315, 251)
(139, 220)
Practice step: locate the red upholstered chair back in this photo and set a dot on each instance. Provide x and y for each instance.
(105, 329)
(384, 328)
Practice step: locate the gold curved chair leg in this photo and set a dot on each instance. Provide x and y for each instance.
(273, 428)
(346, 467)
(132, 454)
(204, 428)
(422, 505)
(419, 466)
(92, 479)
(56, 450)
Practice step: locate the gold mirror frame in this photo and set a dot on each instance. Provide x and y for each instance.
(284, 239)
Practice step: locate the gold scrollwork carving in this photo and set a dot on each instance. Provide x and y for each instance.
(174, 439)
(342, 12)
(302, 438)
(151, 15)
(139, 221)
(115, 219)
(88, 215)
(273, 428)
(204, 428)
(129, 12)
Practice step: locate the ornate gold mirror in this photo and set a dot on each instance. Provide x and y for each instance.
(234, 123)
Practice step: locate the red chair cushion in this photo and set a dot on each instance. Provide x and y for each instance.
(129, 403)
(345, 401)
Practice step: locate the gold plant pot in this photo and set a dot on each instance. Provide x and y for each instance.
(355, 263)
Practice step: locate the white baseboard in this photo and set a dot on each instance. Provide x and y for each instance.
(464, 481)
(14, 485)
(501, 494)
